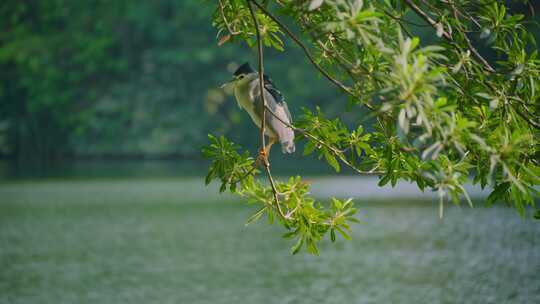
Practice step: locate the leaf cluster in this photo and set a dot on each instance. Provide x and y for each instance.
(306, 220)
(460, 107)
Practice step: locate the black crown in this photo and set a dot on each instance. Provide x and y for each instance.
(244, 69)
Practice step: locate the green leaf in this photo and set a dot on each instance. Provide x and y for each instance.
(309, 148)
(353, 219)
(497, 193)
(331, 160)
(296, 248)
(414, 43)
(256, 216)
(289, 234)
(270, 216)
(343, 233)
(466, 196)
(384, 180)
(518, 200)
(312, 248)
(209, 176)
(337, 203)
(367, 15)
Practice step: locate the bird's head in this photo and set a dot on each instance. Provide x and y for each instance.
(242, 75)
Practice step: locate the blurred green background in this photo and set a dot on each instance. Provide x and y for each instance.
(127, 79)
(104, 106)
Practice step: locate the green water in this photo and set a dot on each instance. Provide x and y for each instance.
(172, 241)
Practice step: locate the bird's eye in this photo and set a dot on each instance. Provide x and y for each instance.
(240, 76)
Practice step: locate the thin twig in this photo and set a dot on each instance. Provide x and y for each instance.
(427, 18)
(310, 57)
(401, 19)
(244, 176)
(334, 150)
(464, 12)
(263, 109)
(525, 117)
(227, 24)
(447, 35)
(469, 43)
(336, 57)
(342, 61)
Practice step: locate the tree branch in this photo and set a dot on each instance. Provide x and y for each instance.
(309, 56)
(448, 36)
(528, 119)
(263, 109)
(469, 43)
(334, 150)
(227, 24)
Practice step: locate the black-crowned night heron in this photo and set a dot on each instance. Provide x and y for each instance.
(245, 85)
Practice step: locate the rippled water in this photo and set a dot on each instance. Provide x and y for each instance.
(169, 241)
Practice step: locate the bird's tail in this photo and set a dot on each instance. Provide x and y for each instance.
(286, 139)
(288, 146)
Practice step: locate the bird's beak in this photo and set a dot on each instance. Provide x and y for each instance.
(228, 86)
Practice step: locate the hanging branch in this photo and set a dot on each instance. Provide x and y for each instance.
(309, 56)
(227, 24)
(448, 36)
(336, 152)
(263, 109)
(527, 118)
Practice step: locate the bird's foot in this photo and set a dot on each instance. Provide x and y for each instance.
(262, 158)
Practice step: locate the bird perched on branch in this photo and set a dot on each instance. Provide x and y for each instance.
(245, 85)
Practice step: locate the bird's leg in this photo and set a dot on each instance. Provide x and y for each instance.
(265, 152)
(271, 141)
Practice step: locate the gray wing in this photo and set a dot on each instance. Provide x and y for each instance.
(278, 97)
(286, 108)
(278, 125)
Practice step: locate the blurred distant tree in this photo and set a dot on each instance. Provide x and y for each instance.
(121, 78)
(439, 113)
(52, 57)
(101, 77)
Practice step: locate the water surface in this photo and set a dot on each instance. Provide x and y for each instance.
(167, 241)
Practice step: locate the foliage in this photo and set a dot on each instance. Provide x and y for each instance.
(439, 113)
(305, 220)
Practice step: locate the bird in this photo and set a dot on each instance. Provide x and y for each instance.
(246, 87)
